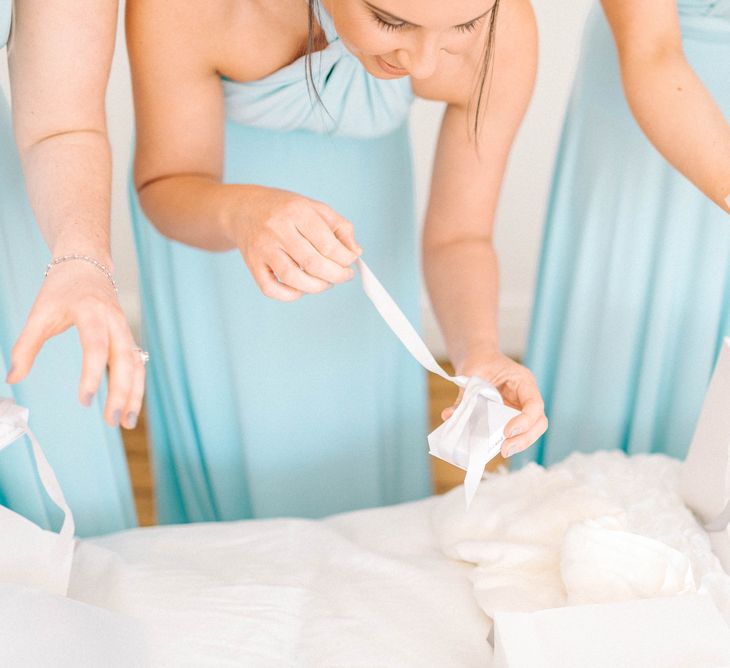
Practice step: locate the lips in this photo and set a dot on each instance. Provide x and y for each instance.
(390, 69)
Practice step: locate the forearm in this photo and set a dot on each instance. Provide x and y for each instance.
(682, 120)
(68, 180)
(462, 281)
(198, 210)
(459, 261)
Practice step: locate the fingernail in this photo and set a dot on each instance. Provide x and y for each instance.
(115, 418)
(727, 201)
(10, 373)
(131, 420)
(515, 432)
(88, 399)
(513, 450)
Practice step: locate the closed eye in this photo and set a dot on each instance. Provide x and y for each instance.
(394, 24)
(471, 26)
(387, 25)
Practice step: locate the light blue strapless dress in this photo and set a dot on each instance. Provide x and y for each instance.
(633, 294)
(87, 456)
(259, 408)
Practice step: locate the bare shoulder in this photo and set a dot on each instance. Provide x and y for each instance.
(188, 32)
(242, 39)
(514, 55)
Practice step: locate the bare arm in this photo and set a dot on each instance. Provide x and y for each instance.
(291, 244)
(60, 55)
(459, 260)
(670, 103)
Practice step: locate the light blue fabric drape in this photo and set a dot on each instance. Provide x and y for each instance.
(633, 294)
(259, 408)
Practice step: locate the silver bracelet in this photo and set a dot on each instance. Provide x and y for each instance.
(85, 258)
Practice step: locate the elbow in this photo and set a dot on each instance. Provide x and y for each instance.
(433, 246)
(29, 141)
(642, 67)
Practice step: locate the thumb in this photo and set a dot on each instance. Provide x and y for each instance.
(448, 412)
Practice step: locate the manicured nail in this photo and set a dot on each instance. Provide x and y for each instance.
(115, 418)
(513, 450)
(131, 420)
(515, 432)
(88, 399)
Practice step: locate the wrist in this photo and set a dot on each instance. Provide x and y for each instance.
(99, 252)
(238, 205)
(475, 355)
(61, 262)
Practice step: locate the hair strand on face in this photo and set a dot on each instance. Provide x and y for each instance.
(313, 22)
(486, 70)
(480, 98)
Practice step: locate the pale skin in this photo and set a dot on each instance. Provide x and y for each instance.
(670, 103)
(293, 245)
(59, 57)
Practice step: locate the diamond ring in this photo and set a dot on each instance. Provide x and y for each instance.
(144, 356)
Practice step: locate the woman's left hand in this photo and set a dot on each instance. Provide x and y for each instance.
(519, 390)
(77, 294)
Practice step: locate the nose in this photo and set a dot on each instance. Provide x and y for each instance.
(421, 60)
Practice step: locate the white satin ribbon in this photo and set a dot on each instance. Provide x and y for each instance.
(25, 564)
(473, 435)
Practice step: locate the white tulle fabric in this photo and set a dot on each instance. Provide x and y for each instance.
(595, 529)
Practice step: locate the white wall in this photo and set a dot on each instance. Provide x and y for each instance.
(521, 212)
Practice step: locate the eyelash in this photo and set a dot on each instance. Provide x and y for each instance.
(389, 26)
(392, 27)
(469, 27)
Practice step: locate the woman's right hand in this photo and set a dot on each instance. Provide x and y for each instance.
(293, 245)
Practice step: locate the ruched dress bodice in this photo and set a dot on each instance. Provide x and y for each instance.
(708, 19)
(353, 102)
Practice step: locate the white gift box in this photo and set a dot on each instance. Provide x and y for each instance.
(43, 630)
(705, 479)
(671, 632)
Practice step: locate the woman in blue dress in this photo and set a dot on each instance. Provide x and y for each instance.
(277, 131)
(55, 174)
(633, 295)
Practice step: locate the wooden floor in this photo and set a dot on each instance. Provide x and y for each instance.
(441, 395)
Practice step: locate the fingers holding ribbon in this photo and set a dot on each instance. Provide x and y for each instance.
(294, 245)
(526, 428)
(518, 388)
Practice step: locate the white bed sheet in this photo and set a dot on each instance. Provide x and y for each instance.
(411, 585)
(369, 588)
